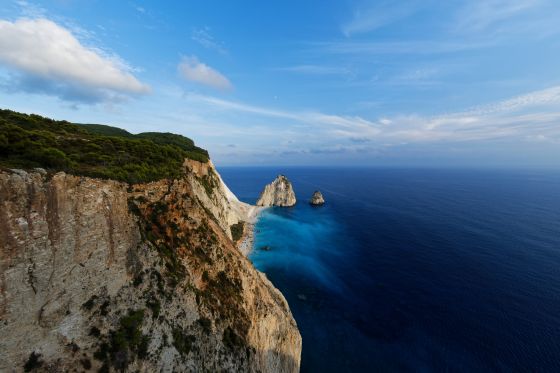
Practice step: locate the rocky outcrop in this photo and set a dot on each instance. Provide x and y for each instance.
(317, 199)
(98, 274)
(209, 188)
(278, 193)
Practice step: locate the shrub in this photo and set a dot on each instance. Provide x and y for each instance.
(127, 339)
(155, 306)
(205, 324)
(231, 340)
(28, 141)
(33, 362)
(237, 231)
(182, 342)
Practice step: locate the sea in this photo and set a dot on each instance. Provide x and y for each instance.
(415, 270)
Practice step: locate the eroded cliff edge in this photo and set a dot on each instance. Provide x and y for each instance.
(99, 274)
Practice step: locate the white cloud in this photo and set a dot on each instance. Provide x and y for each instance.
(529, 116)
(194, 70)
(480, 15)
(310, 117)
(203, 37)
(420, 47)
(316, 70)
(30, 10)
(370, 18)
(48, 58)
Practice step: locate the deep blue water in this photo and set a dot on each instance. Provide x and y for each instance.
(416, 270)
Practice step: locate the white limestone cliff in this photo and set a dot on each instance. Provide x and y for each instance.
(278, 193)
(98, 274)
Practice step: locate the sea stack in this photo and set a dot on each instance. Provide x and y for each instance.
(278, 193)
(317, 199)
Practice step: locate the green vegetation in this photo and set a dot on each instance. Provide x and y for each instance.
(205, 324)
(209, 182)
(231, 340)
(155, 306)
(182, 342)
(33, 362)
(128, 338)
(89, 304)
(129, 334)
(236, 231)
(28, 141)
(86, 364)
(102, 129)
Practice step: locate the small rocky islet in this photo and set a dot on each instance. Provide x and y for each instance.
(317, 199)
(280, 192)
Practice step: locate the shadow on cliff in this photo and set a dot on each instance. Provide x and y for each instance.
(276, 362)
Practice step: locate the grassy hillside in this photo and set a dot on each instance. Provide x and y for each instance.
(28, 141)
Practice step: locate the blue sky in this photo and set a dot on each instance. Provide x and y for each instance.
(381, 83)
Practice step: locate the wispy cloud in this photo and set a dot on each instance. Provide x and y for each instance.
(532, 116)
(508, 20)
(30, 10)
(193, 70)
(481, 15)
(419, 47)
(309, 117)
(316, 70)
(45, 57)
(203, 37)
(369, 17)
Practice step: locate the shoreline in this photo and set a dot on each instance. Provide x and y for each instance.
(247, 240)
(245, 244)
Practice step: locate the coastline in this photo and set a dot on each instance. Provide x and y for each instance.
(247, 240)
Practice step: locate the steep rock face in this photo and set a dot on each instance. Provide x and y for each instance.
(317, 199)
(101, 274)
(278, 193)
(209, 188)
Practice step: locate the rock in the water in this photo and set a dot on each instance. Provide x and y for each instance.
(278, 193)
(317, 199)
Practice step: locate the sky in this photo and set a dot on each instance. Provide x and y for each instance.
(409, 83)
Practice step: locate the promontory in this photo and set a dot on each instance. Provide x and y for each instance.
(116, 255)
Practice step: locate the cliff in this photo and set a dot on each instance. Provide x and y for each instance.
(278, 193)
(105, 275)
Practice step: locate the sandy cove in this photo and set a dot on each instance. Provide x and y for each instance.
(245, 244)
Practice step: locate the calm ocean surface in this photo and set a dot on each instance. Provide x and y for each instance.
(416, 270)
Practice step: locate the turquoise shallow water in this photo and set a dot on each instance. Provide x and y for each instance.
(313, 234)
(416, 270)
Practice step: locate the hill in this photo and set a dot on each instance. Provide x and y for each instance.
(29, 141)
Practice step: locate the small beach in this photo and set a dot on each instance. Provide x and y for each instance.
(246, 242)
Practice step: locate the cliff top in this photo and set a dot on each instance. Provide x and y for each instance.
(29, 141)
